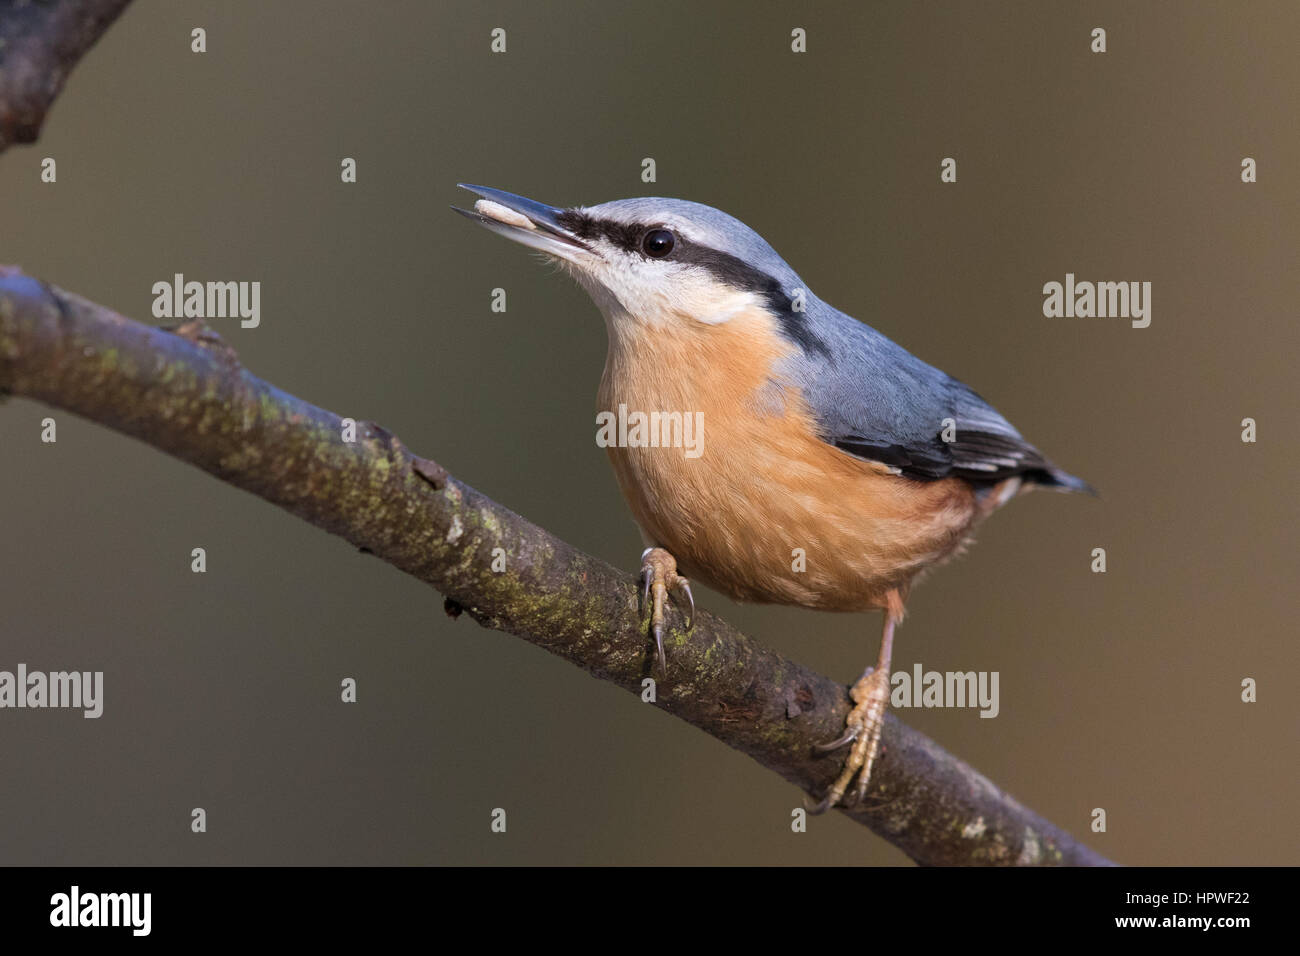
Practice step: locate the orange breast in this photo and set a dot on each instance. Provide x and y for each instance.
(768, 512)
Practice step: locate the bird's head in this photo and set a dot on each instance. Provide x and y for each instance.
(650, 261)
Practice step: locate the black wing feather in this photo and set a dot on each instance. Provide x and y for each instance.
(977, 453)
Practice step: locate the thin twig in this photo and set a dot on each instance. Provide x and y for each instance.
(40, 42)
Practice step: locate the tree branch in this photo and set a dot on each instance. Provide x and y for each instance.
(186, 393)
(40, 42)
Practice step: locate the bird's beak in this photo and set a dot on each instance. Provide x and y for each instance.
(531, 223)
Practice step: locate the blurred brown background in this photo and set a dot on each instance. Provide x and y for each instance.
(1118, 691)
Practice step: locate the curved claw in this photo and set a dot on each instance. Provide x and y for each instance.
(818, 808)
(850, 735)
(685, 586)
(828, 801)
(659, 644)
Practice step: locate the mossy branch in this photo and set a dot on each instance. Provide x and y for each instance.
(186, 393)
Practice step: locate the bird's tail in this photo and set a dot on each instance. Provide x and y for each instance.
(1058, 480)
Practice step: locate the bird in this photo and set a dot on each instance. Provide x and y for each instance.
(834, 467)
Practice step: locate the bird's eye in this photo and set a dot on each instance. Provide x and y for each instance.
(657, 243)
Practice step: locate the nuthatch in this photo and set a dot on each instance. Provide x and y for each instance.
(822, 434)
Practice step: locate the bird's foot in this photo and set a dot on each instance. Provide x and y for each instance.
(863, 728)
(660, 579)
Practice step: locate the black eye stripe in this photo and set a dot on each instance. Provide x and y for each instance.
(583, 226)
(722, 265)
(630, 237)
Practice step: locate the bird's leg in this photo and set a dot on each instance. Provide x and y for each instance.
(660, 579)
(866, 721)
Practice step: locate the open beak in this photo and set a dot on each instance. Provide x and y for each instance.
(531, 223)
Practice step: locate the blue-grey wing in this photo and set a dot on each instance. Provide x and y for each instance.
(874, 399)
